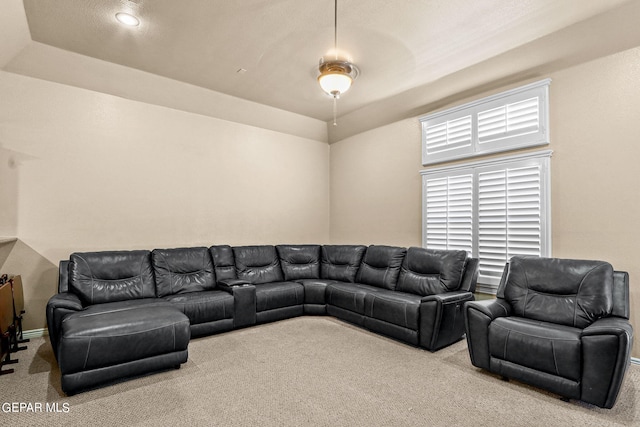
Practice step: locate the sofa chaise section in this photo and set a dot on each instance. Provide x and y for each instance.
(106, 323)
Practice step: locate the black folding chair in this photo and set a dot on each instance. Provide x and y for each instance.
(18, 311)
(7, 327)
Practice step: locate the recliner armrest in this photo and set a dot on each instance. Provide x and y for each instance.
(492, 308)
(478, 315)
(609, 326)
(606, 351)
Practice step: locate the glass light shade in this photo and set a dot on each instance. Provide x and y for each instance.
(335, 83)
(127, 19)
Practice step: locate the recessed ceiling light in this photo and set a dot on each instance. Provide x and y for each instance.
(127, 19)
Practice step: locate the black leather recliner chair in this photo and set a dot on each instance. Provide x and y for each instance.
(558, 324)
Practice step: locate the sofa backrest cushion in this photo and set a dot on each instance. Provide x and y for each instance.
(381, 266)
(341, 262)
(182, 270)
(563, 291)
(299, 261)
(258, 264)
(99, 277)
(224, 263)
(431, 271)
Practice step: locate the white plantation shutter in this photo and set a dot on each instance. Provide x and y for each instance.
(508, 121)
(513, 119)
(450, 135)
(509, 215)
(494, 209)
(448, 217)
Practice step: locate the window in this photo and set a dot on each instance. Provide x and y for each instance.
(513, 119)
(493, 209)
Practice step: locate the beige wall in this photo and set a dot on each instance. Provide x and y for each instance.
(91, 171)
(375, 187)
(594, 110)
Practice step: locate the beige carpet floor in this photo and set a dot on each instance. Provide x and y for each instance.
(307, 371)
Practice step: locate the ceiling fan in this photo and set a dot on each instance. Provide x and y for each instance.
(336, 74)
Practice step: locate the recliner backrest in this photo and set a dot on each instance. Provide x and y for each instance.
(109, 276)
(258, 264)
(224, 263)
(182, 270)
(431, 271)
(341, 262)
(299, 261)
(563, 291)
(381, 266)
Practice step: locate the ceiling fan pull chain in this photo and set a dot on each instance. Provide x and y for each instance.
(335, 111)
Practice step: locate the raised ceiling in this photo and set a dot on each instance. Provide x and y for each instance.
(399, 45)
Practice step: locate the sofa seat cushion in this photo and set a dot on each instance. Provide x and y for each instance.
(274, 295)
(203, 307)
(113, 333)
(398, 308)
(547, 347)
(349, 296)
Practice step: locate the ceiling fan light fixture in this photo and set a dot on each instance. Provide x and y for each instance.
(127, 19)
(336, 77)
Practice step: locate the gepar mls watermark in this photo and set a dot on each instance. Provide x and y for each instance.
(35, 407)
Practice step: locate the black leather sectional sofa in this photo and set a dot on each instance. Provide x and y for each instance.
(119, 314)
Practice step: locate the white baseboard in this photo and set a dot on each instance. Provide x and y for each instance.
(35, 333)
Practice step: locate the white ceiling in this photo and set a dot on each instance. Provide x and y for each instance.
(403, 48)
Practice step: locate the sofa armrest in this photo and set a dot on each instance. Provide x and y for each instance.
(244, 301)
(470, 276)
(58, 307)
(606, 353)
(66, 300)
(478, 315)
(229, 284)
(449, 297)
(441, 319)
